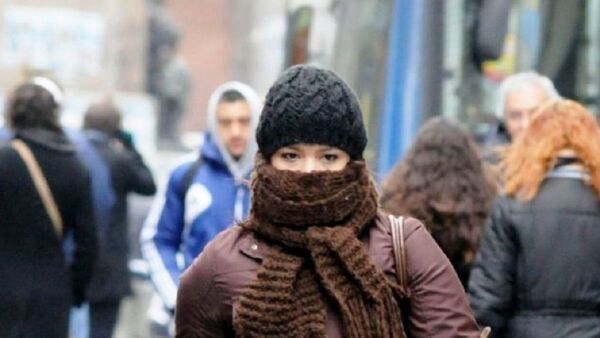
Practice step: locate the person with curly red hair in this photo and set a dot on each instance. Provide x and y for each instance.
(537, 273)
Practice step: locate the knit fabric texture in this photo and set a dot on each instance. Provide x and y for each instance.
(311, 105)
(313, 222)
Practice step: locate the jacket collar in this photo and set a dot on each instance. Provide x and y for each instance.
(576, 171)
(96, 136)
(569, 166)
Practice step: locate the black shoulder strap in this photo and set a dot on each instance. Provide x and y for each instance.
(188, 177)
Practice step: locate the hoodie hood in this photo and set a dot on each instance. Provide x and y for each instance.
(240, 168)
(54, 140)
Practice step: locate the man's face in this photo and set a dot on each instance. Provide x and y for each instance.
(519, 107)
(235, 127)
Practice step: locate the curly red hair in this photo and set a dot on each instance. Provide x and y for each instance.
(558, 125)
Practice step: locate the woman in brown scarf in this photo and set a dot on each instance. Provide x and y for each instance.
(315, 257)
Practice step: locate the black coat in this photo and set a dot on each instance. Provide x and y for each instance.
(537, 273)
(128, 174)
(37, 288)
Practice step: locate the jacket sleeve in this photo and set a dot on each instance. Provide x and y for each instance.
(161, 238)
(439, 306)
(196, 315)
(492, 279)
(138, 177)
(86, 243)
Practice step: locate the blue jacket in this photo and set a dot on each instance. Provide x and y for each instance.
(180, 226)
(4, 134)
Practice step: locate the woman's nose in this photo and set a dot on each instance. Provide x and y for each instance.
(308, 165)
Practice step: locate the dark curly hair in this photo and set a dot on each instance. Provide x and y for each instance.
(32, 106)
(443, 182)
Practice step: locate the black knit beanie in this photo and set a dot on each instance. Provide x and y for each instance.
(311, 105)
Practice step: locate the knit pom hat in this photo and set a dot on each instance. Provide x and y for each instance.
(311, 105)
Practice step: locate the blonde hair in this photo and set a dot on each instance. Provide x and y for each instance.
(557, 125)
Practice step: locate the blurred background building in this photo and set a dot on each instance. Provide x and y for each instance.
(407, 60)
(92, 48)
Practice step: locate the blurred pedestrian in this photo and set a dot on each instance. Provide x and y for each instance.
(443, 182)
(175, 84)
(169, 78)
(537, 273)
(104, 199)
(44, 197)
(129, 173)
(315, 257)
(518, 97)
(205, 195)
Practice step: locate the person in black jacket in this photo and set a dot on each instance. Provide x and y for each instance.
(537, 273)
(129, 173)
(37, 286)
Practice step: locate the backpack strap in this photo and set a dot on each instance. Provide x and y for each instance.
(397, 226)
(188, 177)
(41, 185)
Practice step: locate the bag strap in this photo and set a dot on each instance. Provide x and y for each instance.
(189, 176)
(397, 225)
(41, 185)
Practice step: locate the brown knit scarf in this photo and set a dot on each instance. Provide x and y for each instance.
(313, 221)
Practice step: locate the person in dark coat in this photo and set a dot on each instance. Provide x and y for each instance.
(315, 256)
(129, 173)
(37, 286)
(537, 273)
(443, 182)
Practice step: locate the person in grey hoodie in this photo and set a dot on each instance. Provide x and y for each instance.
(206, 195)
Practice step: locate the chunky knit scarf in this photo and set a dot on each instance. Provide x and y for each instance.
(313, 222)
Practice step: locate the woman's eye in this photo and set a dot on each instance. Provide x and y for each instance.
(330, 157)
(289, 156)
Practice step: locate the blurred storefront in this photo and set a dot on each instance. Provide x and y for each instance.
(350, 37)
(449, 57)
(410, 60)
(559, 39)
(82, 43)
(94, 49)
(407, 60)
